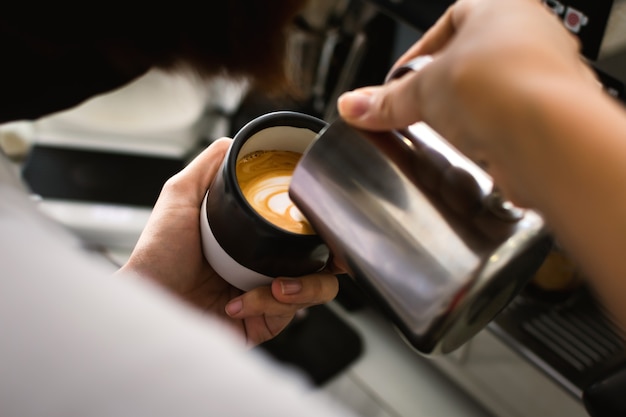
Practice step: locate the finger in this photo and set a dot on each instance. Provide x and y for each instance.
(391, 106)
(306, 291)
(202, 169)
(284, 297)
(261, 328)
(435, 38)
(259, 302)
(395, 105)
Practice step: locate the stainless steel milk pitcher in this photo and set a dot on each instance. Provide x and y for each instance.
(420, 227)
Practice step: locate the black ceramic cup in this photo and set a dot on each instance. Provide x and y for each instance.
(241, 245)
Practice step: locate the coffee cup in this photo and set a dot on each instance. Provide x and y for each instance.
(251, 231)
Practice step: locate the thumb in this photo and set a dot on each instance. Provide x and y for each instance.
(390, 106)
(192, 182)
(205, 165)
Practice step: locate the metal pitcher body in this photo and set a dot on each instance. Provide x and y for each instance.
(420, 227)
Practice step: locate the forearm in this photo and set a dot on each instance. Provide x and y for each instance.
(564, 155)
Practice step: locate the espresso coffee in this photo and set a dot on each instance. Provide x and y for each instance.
(264, 178)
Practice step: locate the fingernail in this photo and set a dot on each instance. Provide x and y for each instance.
(354, 104)
(234, 307)
(290, 286)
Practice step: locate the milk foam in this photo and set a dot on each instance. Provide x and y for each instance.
(264, 178)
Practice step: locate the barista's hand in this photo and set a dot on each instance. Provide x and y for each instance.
(488, 55)
(169, 252)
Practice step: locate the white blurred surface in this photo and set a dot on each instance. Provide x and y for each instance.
(155, 114)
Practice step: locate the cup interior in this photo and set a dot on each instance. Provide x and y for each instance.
(273, 138)
(281, 138)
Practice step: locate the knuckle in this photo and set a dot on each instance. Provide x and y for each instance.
(322, 289)
(254, 302)
(383, 105)
(177, 185)
(173, 184)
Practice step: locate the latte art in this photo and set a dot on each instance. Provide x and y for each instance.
(264, 178)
